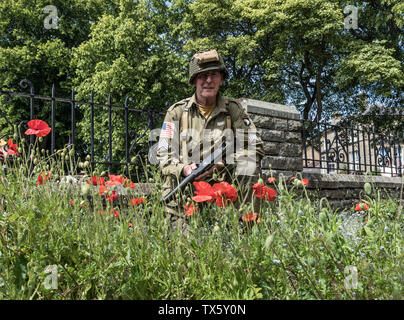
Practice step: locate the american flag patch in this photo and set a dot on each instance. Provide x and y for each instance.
(167, 131)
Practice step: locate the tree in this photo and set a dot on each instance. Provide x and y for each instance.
(298, 52)
(128, 54)
(32, 48)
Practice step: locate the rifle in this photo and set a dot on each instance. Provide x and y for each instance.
(206, 164)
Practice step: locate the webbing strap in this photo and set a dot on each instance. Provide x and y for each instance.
(184, 124)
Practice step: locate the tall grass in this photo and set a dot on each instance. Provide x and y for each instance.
(300, 250)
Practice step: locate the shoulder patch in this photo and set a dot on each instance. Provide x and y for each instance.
(183, 102)
(235, 109)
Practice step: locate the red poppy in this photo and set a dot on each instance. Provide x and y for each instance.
(222, 192)
(362, 206)
(271, 179)
(204, 192)
(42, 177)
(71, 202)
(225, 193)
(96, 181)
(12, 148)
(102, 189)
(263, 192)
(190, 209)
(298, 182)
(131, 185)
(115, 213)
(38, 127)
(112, 197)
(137, 201)
(115, 180)
(130, 224)
(251, 217)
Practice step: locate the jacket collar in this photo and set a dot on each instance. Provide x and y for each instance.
(220, 103)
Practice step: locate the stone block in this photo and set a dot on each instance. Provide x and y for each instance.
(271, 148)
(290, 150)
(294, 137)
(271, 135)
(282, 163)
(263, 121)
(294, 125)
(281, 124)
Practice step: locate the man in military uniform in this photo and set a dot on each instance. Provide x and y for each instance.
(193, 127)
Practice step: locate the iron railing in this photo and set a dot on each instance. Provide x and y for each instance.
(351, 148)
(341, 148)
(134, 140)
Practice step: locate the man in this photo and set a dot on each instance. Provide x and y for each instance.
(195, 126)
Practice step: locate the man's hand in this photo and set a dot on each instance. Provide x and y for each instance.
(187, 170)
(218, 167)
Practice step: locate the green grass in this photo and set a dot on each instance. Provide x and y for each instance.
(301, 250)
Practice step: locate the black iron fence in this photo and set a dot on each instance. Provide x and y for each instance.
(117, 142)
(341, 148)
(352, 148)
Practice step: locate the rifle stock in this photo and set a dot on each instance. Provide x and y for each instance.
(205, 165)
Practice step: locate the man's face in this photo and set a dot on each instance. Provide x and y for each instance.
(207, 84)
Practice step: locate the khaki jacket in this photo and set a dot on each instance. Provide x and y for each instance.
(202, 134)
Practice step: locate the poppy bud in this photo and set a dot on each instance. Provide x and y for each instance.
(81, 164)
(86, 164)
(216, 228)
(103, 174)
(67, 157)
(323, 217)
(260, 181)
(19, 149)
(133, 159)
(71, 152)
(35, 161)
(151, 180)
(85, 189)
(88, 157)
(368, 188)
(43, 151)
(40, 139)
(268, 241)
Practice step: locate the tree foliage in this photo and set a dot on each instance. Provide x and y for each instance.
(294, 52)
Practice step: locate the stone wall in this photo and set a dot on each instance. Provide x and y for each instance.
(280, 128)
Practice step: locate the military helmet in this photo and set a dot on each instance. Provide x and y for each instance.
(204, 61)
